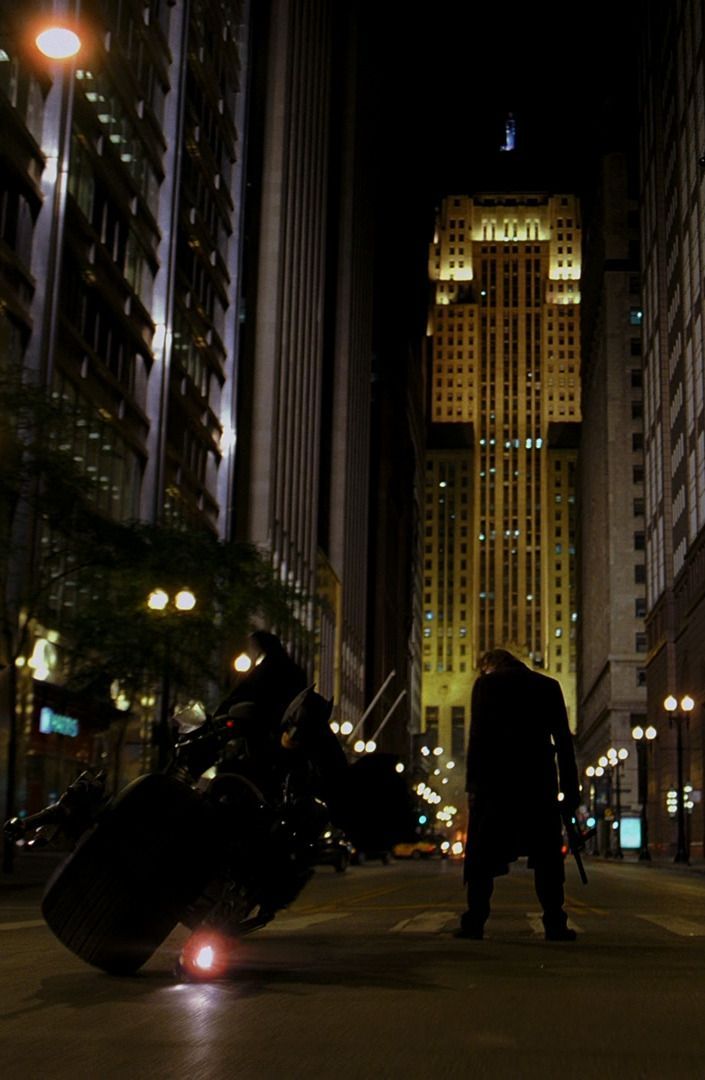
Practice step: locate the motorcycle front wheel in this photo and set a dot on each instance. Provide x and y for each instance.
(129, 880)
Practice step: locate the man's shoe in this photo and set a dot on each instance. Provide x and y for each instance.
(471, 933)
(560, 933)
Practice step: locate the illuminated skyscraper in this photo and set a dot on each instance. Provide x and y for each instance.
(499, 543)
(120, 227)
(672, 164)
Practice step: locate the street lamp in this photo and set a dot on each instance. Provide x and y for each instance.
(160, 602)
(644, 738)
(58, 42)
(593, 773)
(616, 759)
(679, 713)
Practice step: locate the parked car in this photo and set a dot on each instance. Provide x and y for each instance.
(368, 854)
(333, 849)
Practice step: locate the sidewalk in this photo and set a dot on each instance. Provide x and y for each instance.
(32, 869)
(656, 862)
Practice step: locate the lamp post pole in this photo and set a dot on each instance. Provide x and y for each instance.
(159, 601)
(678, 715)
(644, 738)
(594, 772)
(616, 759)
(619, 854)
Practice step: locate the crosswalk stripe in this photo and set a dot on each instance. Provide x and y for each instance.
(676, 925)
(536, 923)
(427, 922)
(29, 925)
(285, 923)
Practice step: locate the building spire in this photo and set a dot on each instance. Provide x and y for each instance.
(509, 133)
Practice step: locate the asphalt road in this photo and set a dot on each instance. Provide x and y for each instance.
(362, 978)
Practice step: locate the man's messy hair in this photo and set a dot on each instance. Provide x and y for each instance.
(497, 660)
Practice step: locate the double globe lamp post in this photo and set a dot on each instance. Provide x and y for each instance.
(614, 759)
(679, 713)
(162, 604)
(644, 737)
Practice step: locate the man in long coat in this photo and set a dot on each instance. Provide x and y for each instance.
(518, 734)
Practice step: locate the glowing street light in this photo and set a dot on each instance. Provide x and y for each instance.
(184, 600)
(157, 600)
(58, 43)
(242, 663)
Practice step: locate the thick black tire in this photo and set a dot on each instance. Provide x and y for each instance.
(129, 880)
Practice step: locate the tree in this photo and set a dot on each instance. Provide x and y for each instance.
(113, 633)
(45, 505)
(67, 567)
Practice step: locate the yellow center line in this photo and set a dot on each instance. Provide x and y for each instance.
(377, 907)
(580, 905)
(370, 895)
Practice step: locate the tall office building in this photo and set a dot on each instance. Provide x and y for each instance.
(303, 453)
(672, 167)
(499, 543)
(612, 637)
(135, 254)
(120, 214)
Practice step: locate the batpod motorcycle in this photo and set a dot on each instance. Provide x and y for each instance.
(220, 856)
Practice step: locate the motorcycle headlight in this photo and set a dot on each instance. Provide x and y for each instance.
(206, 955)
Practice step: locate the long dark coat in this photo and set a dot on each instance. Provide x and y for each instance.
(518, 734)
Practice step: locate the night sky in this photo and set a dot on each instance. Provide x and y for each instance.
(443, 79)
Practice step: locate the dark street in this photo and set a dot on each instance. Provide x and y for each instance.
(363, 978)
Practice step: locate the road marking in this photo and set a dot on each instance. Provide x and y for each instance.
(345, 910)
(371, 894)
(676, 925)
(29, 925)
(536, 923)
(428, 922)
(581, 906)
(285, 923)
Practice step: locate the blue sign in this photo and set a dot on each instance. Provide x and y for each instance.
(630, 832)
(53, 723)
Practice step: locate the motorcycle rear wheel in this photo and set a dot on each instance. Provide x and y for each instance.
(128, 882)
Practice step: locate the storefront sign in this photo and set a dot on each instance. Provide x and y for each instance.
(53, 723)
